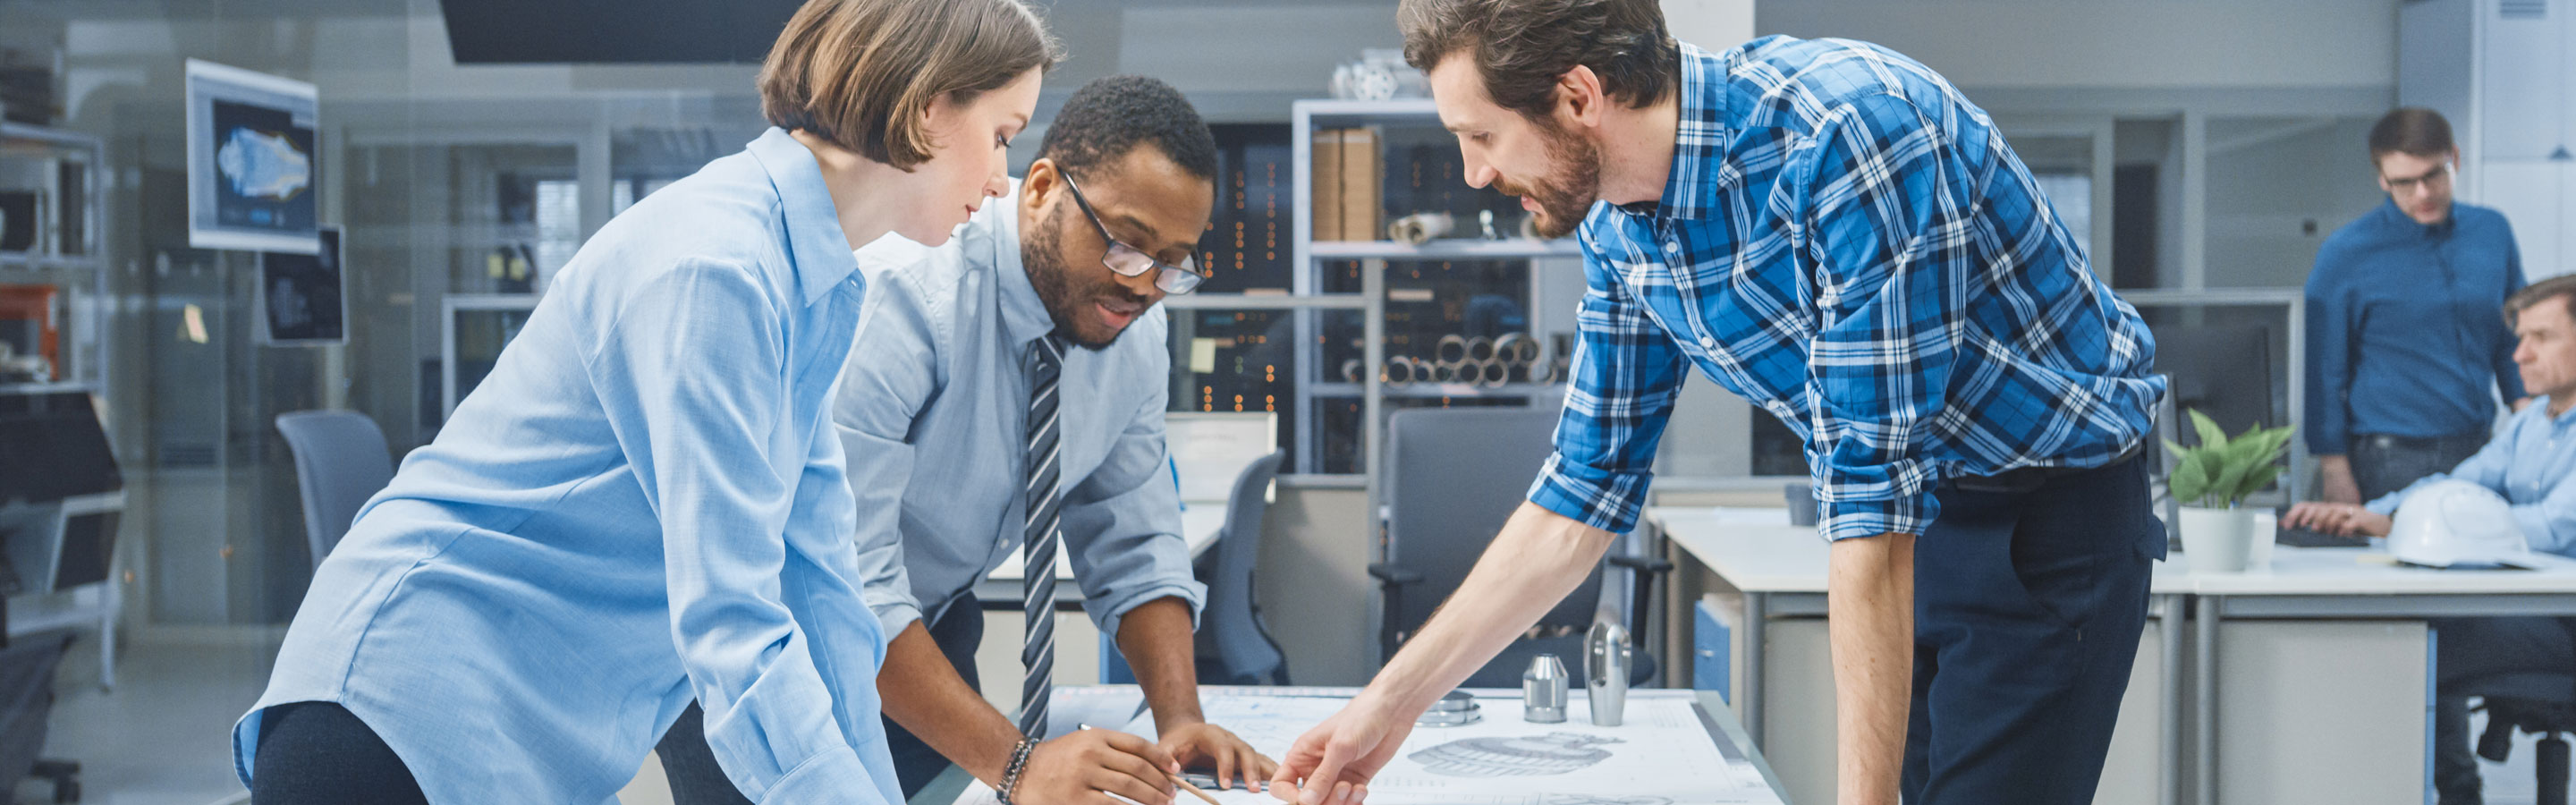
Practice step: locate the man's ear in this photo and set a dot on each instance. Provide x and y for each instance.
(1039, 185)
(1579, 98)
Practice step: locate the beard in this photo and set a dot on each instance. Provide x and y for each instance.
(1042, 256)
(1566, 194)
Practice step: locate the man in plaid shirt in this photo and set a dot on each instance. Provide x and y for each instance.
(1832, 231)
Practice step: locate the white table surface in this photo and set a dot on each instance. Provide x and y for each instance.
(1766, 558)
(1791, 559)
(1199, 526)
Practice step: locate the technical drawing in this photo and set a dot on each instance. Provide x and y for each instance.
(1592, 799)
(1553, 753)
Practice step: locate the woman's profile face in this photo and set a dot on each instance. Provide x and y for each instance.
(969, 157)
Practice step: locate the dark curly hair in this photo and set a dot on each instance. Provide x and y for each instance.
(1111, 116)
(1522, 46)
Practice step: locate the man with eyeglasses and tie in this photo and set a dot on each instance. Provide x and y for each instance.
(994, 405)
(2406, 354)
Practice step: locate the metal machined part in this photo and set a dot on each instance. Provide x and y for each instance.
(1516, 347)
(1451, 349)
(1480, 348)
(1419, 228)
(1400, 370)
(1351, 371)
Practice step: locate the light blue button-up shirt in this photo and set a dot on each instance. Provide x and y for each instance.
(933, 409)
(640, 506)
(2531, 464)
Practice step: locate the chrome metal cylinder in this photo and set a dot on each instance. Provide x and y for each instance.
(1543, 691)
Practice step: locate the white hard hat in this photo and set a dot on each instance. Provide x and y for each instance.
(2454, 522)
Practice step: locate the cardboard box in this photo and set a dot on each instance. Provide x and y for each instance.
(1326, 171)
(1363, 166)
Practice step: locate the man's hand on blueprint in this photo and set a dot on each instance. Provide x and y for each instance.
(1333, 763)
(1086, 766)
(1202, 744)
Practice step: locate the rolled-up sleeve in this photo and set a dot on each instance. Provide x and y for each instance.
(703, 351)
(1122, 523)
(1893, 241)
(1624, 376)
(889, 376)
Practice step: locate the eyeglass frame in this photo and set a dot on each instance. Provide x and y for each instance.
(1164, 281)
(2406, 187)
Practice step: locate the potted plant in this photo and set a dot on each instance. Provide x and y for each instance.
(2213, 480)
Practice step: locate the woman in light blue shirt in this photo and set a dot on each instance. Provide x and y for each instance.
(644, 503)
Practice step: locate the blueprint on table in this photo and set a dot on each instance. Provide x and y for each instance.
(1664, 754)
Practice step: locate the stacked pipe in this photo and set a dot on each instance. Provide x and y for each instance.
(1474, 360)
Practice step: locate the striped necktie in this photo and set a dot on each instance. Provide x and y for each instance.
(1044, 492)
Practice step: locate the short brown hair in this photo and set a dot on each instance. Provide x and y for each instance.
(860, 73)
(2412, 130)
(1521, 47)
(2562, 288)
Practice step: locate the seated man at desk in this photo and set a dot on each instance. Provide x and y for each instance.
(2529, 464)
(995, 397)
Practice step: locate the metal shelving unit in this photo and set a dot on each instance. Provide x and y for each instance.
(1312, 293)
(73, 263)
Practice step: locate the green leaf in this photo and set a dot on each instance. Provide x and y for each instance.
(2255, 482)
(2210, 434)
(2230, 476)
(2191, 478)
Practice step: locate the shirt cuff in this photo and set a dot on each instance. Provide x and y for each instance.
(1848, 519)
(2386, 505)
(892, 616)
(835, 775)
(1115, 610)
(1601, 499)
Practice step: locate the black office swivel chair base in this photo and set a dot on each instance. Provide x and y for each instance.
(2550, 717)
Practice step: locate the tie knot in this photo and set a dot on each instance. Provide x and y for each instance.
(1046, 354)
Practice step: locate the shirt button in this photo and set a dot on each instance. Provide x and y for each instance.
(1672, 246)
(1706, 342)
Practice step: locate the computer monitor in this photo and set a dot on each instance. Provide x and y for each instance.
(2224, 371)
(52, 447)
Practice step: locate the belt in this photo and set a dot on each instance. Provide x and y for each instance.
(2385, 441)
(2029, 478)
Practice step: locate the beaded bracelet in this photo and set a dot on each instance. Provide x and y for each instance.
(1011, 774)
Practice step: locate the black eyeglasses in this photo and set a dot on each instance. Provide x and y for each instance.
(1130, 261)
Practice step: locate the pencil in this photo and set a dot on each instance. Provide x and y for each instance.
(1176, 780)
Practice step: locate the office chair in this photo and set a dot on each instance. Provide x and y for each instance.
(1234, 643)
(2528, 683)
(1453, 475)
(340, 461)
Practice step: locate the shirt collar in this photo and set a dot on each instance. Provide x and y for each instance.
(816, 248)
(2398, 219)
(1699, 134)
(1024, 315)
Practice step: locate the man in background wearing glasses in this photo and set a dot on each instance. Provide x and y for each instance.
(996, 404)
(2405, 352)
(2404, 344)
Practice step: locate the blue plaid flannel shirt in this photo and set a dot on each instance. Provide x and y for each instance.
(1847, 242)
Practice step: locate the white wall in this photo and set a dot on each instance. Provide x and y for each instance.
(2118, 43)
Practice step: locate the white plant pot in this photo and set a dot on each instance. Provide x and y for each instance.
(2217, 540)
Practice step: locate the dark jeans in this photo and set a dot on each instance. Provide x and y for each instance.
(697, 780)
(2029, 599)
(2384, 464)
(318, 753)
(2482, 657)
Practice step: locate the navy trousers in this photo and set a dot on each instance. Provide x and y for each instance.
(318, 753)
(2030, 596)
(697, 780)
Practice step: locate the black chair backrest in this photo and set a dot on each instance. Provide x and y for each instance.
(1453, 476)
(1231, 618)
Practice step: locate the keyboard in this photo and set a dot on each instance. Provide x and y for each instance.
(2312, 538)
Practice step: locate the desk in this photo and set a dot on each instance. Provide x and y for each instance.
(2326, 599)
(1113, 704)
(1002, 588)
(1779, 573)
